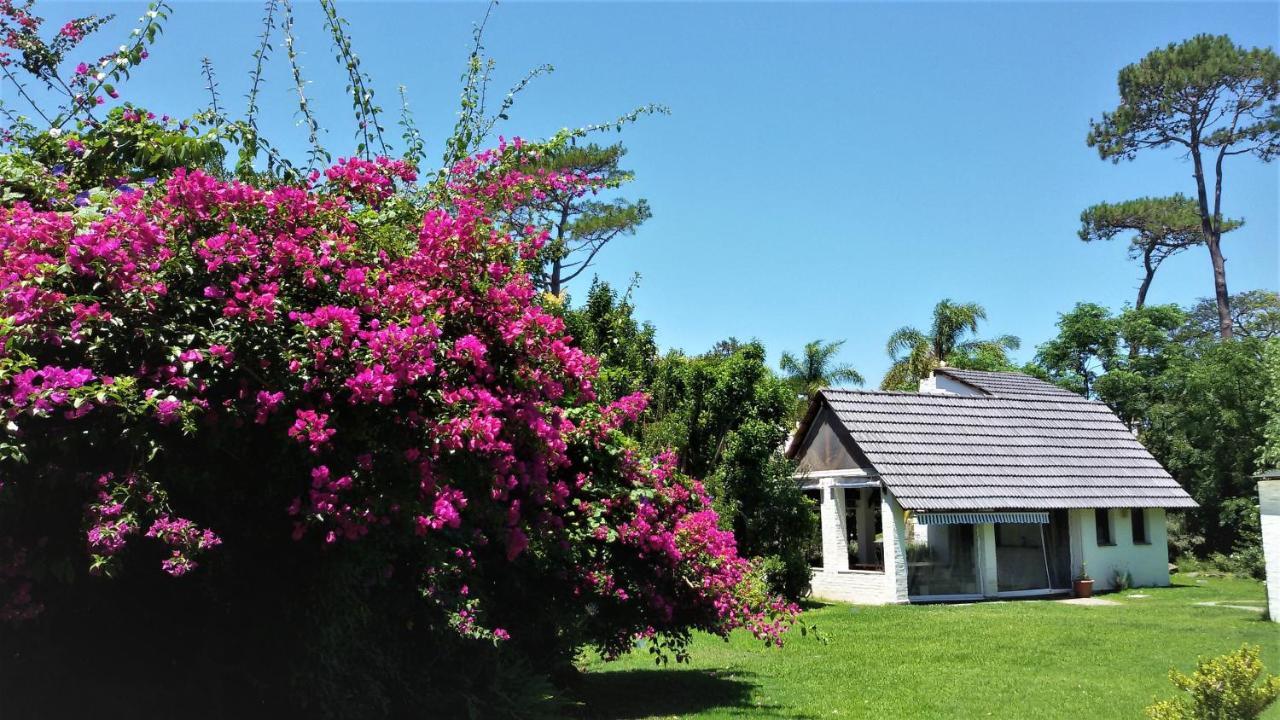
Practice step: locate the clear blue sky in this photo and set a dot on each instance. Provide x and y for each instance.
(828, 170)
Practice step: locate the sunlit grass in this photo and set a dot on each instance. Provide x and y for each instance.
(1023, 659)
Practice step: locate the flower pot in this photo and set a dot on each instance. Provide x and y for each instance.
(1083, 588)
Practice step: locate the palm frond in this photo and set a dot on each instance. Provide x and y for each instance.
(904, 339)
(898, 377)
(846, 375)
(951, 322)
(789, 364)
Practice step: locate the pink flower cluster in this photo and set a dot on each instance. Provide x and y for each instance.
(369, 181)
(312, 429)
(185, 541)
(16, 600)
(42, 390)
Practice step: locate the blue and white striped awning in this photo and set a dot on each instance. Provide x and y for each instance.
(1029, 518)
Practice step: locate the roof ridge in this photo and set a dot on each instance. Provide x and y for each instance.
(1073, 397)
(949, 368)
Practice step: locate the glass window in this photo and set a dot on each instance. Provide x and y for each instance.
(870, 557)
(1021, 560)
(947, 565)
(1139, 516)
(1102, 518)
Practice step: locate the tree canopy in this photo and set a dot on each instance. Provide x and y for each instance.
(581, 226)
(1162, 227)
(1269, 452)
(728, 416)
(1086, 346)
(1254, 313)
(916, 353)
(604, 326)
(1210, 98)
(1195, 402)
(816, 368)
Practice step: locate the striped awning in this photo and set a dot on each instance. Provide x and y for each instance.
(1030, 518)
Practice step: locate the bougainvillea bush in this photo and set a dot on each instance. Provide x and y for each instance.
(324, 431)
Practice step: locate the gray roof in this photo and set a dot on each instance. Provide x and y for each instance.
(1009, 384)
(1023, 443)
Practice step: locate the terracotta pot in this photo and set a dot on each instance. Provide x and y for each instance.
(1083, 588)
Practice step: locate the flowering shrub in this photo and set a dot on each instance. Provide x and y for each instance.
(317, 424)
(1234, 686)
(198, 365)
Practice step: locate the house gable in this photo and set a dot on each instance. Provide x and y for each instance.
(828, 446)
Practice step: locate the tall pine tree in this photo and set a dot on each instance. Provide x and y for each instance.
(581, 226)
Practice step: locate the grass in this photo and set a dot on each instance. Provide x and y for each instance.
(1022, 659)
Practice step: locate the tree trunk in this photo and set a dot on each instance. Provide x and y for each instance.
(1146, 281)
(553, 285)
(1142, 293)
(557, 262)
(1220, 286)
(1212, 239)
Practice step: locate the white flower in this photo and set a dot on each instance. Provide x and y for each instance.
(100, 76)
(122, 61)
(124, 49)
(54, 132)
(136, 31)
(151, 13)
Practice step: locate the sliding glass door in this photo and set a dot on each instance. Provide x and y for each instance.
(946, 565)
(1033, 556)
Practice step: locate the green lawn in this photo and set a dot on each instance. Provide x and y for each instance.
(1023, 659)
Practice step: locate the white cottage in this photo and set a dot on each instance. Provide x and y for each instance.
(981, 485)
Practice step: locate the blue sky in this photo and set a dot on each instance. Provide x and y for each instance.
(828, 170)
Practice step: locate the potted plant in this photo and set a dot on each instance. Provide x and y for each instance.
(1083, 584)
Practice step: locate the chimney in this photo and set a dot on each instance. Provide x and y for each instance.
(928, 384)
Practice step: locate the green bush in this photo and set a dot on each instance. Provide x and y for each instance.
(1246, 561)
(1234, 686)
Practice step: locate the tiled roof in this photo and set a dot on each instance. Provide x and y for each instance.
(1026, 445)
(1010, 385)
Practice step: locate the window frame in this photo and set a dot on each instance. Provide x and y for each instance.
(1138, 517)
(1103, 526)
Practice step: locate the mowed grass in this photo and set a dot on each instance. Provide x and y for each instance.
(1017, 659)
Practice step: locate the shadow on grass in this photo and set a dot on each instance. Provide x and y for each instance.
(632, 694)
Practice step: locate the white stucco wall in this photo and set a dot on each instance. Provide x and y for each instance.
(895, 548)
(984, 538)
(1269, 499)
(863, 587)
(1147, 564)
(835, 542)
(941, 384)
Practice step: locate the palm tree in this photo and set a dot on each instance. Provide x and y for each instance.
(815, 369)
(915, 354)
